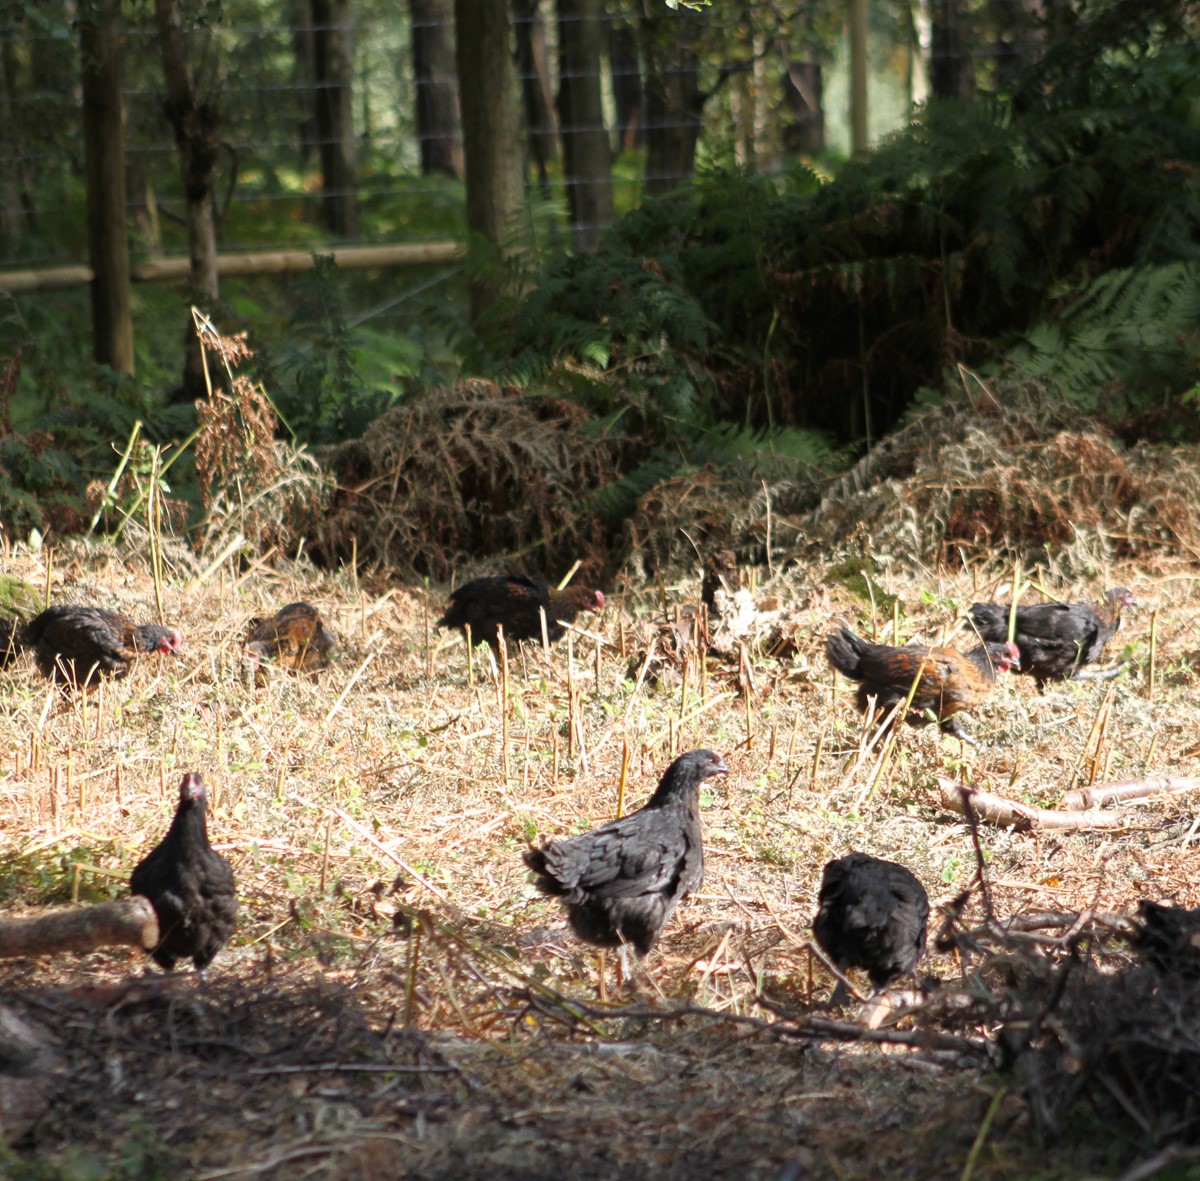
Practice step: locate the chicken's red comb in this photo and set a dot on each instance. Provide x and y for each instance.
(191, 789)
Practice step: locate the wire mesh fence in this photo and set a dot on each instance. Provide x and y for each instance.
(744, 81)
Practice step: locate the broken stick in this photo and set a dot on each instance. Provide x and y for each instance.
(1022, 817)
(1130, 789)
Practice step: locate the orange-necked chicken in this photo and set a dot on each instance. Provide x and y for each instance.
(512, 601)
(76, 645)
(950, 682)
(1056, 640)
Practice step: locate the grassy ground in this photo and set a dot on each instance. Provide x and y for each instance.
(398, 1000)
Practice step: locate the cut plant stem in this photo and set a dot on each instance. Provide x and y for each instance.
(1153, 679)
(503, 649)
(624, 777)
(1097, 722)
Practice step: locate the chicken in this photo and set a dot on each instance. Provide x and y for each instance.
(1169, 938)
(75, 644)
(512, 601)
(189, 885)
(1056, 640)
(950, 681)
(621, 883)
(871, 914)
(295, 637)
(721, 574)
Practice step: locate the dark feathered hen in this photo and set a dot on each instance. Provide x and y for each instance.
(871, 914)
(951, 682)
(189, 885)
(76, 644)
(513, 601)
(1169, 938)
(622, 882)
(295, 637)
(1056, 640)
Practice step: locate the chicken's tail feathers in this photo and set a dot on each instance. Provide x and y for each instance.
(990, 621)
(845, 652)
(535, 858)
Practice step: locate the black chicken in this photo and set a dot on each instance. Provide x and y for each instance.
(621, 883)
(1169, 938)
(295, 637)
(1056, 640)
(189, 885)
(871, 914)
(76, 645)
(513, 601)
(950, 681)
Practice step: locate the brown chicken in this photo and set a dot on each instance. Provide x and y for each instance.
(1056, 640)
(950, 681)
(512, 601)
(295, 638)
(76, 645)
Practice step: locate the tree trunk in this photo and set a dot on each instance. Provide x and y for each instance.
(437, 88)
(303, 52)
(333, 71)
(491, 146)
(628, 95)
(859, 114)
(104, 168)
(587, 161)
(674, 101)
(12, 214)
(803, 96)
(950, 71)
(541, 127)
(194, 120)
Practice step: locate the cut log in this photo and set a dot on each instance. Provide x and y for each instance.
(128, 922)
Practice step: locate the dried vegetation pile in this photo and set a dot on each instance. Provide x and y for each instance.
(472, 469)
(1005, 470)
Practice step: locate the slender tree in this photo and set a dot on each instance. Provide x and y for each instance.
(533, 71)
(194, 119)
(628, 96)
(491, 137)
(859, 121)
(674, 100)
(333, 70)
(587, 157)
(437, 87)
(951, 74)
(104, 168)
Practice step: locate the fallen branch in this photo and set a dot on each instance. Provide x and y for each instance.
(128, 922)
(1022, 817)
(1130, 789)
